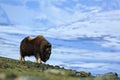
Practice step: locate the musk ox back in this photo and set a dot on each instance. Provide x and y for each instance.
(38, 47)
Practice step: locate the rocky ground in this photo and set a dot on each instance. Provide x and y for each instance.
(11, 69)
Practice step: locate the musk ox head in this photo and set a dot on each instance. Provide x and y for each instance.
(38, 47)
(46, 53)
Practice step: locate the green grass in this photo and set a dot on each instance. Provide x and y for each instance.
(13, 69)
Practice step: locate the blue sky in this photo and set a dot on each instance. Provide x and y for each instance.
(69, 18)
(59, 12)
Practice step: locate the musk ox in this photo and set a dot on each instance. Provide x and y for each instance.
(38, 47)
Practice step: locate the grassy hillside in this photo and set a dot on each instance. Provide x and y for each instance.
(11, 69)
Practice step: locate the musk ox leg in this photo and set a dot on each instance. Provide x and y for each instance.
(22, 59)
(38, 59)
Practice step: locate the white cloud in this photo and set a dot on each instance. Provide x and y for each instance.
(93, 24)
(19, 14)
(113, 15)
(77, 23)
(111, 42)
(96, 23)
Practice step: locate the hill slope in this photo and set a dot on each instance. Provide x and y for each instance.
(11, 69)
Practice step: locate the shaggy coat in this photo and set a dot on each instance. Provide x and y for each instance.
(38, 47)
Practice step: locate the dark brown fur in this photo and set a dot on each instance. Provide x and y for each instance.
(38, 47)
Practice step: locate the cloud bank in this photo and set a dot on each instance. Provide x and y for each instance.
(67, 19)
